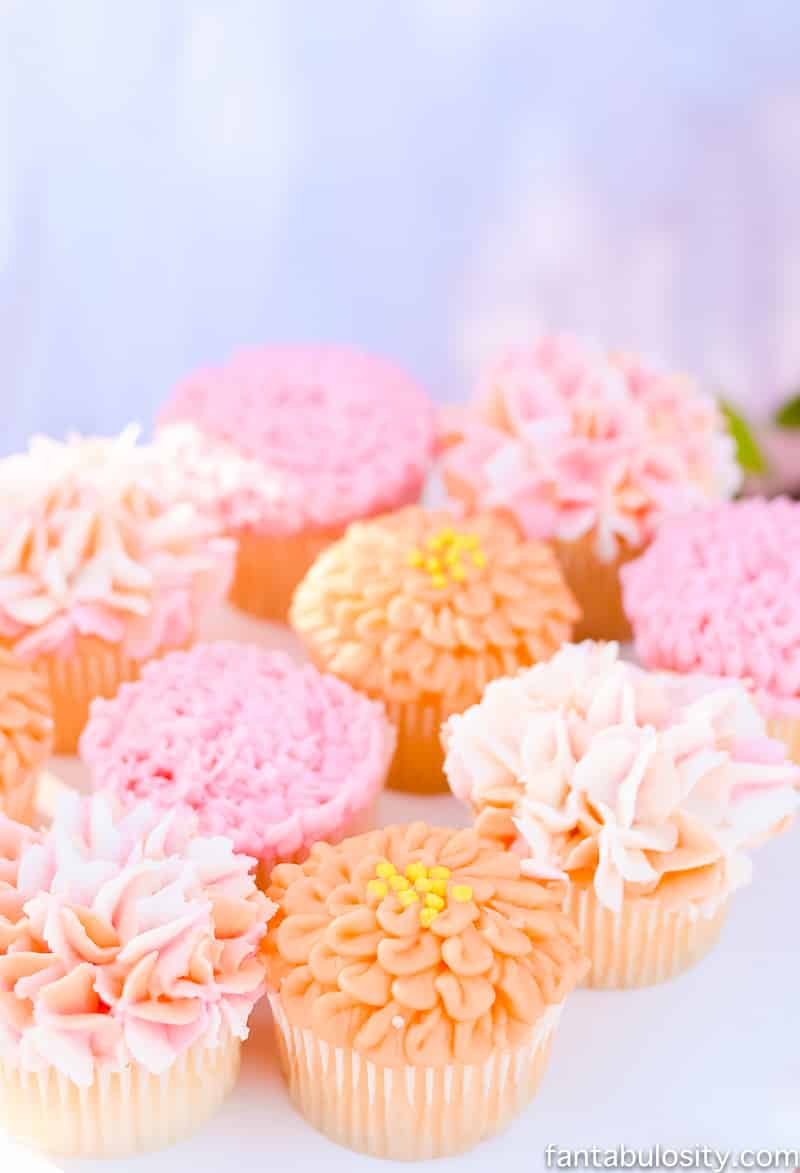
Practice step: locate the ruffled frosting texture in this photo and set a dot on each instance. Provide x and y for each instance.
(578, 442)
(268, 752)
(637, 782)
(26, 722)
(399, 609)
(359, 967)
(247, 437)
(97, 541)
(123, 941)
(718, 593)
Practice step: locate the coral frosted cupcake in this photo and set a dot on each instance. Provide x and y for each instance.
(291, 444)
(416, 981)
(272, 754)
(423, 613)
(590, 450)
(645, 790)
(718, 594)
(26, 735)
(101, 567)
(129, 964)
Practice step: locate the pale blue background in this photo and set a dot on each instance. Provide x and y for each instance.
(425, 179)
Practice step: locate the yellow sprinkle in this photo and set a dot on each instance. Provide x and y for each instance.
(439, 873)
(423, 884)
(452, 556)
(377, 888)
(461, 893)
(415, 870)
(416, 558)
(438, 580)
(439, 887)
(399, 883)
(478, 558)
(407, 897)
(433, 565)
(427, 916)
(434, 901)
(471, 541)
(447, 533)
(458, 573)
(384, 869)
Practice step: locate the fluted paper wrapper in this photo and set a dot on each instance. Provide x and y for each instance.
(268, 569)
(418, 763)
(408, 1113)
(597, 588)
(787, 730)
(644, 943)
(121, 1113)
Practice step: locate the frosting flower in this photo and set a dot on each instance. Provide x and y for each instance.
(418, 945)
(26, 723)
(95, 541)
(576, 442)
(632, 781)
(123, 940)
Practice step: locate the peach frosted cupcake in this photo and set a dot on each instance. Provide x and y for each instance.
(416, 978)
(718, 594)
(590, 450)
(129, 964)
(645, 790)
(422, 613)
(26, 735)
(291, 444)
(101, 567)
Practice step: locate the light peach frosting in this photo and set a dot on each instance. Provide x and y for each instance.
(413, 603)
(26, 723)
(418, 945)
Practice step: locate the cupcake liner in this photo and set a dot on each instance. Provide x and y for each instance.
(787, 730)
(418, 763)
(121, 1113)
(361, 821)
(268, 568)
(597, 588)
(408, 1113)
(18, 801)
(643, 944)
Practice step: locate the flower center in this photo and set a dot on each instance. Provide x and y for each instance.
(430, 888)
(447, 555)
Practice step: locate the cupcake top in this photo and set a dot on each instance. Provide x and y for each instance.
(636, 782)
(418, 945)
(415, 603)
(717, 593)
(268, 752)
(123, 940)
(368, 449)
(95, 542)
(581, 443)
(26, 722)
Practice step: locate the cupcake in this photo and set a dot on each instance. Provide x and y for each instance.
(129, 964)
(416, 978)
(644, 790)
(26, 735)
(717, 594)
(269, 753)
(589, 450)
(291, 445)
(101, 567)
(422, 613)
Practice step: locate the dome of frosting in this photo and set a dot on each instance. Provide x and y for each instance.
(368, 449)
(418, 945)
(123, 940)
(579, 442)
(26, 723)
(636, 782)
(268, 752)
(717, 593)
(95, 540)
(415, 602)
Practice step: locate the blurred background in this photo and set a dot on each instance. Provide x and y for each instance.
(427, 179)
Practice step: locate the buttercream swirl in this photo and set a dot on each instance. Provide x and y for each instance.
(368, 449)
(717, 593)
(400, 611)
(123, 941)
(272, 754)
(26, 722)
(365, 971)
(96, 540)
(577, 442)
(634, 781)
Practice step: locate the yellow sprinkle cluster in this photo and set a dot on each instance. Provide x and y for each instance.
(447, 555)
(419, 884)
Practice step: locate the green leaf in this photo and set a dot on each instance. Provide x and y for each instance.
(748, 452)
(788, 416)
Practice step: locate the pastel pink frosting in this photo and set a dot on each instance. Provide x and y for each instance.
(95, 540)
(289, 438)
(271, 753)
(643, 782)
(578, 442)
(123, 940)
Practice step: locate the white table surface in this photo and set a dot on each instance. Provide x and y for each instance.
(711, 1058)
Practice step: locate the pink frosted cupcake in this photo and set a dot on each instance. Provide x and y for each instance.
(291, 444)
(101, 567)
(590, 450)
(644, 790)
(718, 594)
(129, 964)
(272, 754)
